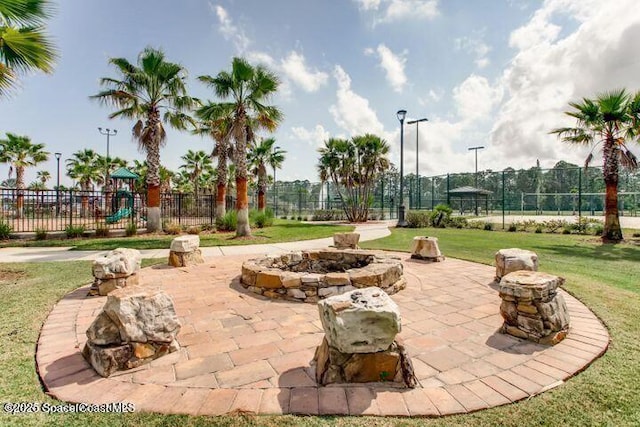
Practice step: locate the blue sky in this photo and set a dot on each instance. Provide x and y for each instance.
(492, 73)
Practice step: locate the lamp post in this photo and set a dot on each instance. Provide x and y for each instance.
(401, 114)
(58, 156)
(417, 122)
(275, 187)
(476, 174)
(108, 132)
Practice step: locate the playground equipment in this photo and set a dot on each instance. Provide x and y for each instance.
(121, 212)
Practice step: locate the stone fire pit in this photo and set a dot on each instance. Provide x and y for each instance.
(313, 275)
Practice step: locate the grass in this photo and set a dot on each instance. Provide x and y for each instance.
(606, 278)
(281, 231)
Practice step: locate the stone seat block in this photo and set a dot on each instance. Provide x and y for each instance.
(514, 259)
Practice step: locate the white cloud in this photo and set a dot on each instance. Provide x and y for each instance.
(314, 137)
(476, 46)
(351, 111)
(393, 66)
(230, 31)
(548, 72)
(396, 10)
(263, 58)
(295, 68)
(475, 98)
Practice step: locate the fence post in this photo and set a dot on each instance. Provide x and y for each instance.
(70, 208)
(579, 195)
(211, 208)
(433, 191)
(382, 197)
(503, 200)
(180, 208)
(448, 188)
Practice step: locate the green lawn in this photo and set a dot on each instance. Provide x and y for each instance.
(606, 278)
(281, 231)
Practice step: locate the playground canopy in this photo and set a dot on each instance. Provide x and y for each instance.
(123, 173)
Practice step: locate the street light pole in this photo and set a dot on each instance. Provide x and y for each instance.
(108, 133)
(476, 174)
(58, 156)
(401, 114)
(417, 153)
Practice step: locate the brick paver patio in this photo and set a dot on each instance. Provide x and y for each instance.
(241, 351)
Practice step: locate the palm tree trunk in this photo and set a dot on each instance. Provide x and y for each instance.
(242, 206)
(19, 191)
(153, 178)
(262, 186)
(221, 196)
(612, 231)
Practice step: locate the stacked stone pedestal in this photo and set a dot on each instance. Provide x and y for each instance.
(137, 325)
(532, 308)
(117, 269)
(514, 259)
(185, 251)
(359, 344)
(346, 240)
(426, 248)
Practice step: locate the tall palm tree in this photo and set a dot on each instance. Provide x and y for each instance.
(611, 119)
(24, 46)
(260, 156)
(85, 168)
(248, 88)
(215, 120)
(142, 93)
(195, 163)
(20, 153)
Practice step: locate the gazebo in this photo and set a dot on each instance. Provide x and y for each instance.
(124, 175)
(470, 195)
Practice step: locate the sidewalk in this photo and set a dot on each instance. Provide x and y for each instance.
(368, 231)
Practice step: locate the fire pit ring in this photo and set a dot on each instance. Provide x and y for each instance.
(310, 276)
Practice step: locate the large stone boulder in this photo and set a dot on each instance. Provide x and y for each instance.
(137, 325)
(117, 269)
(346, 240)
(515, 259)
(361, 321)
(118, 263)
(426, 248)
(185, 251)
(532, 308)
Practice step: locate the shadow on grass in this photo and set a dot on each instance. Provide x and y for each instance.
(605, 251)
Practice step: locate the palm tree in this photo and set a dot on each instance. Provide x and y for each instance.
(216, 121)
(23, 44)
(260, 156)
(84, 167)
(19, 152)
(613, 118)
(43, 177)
(248, 87)
(196, 162)
(141, 94)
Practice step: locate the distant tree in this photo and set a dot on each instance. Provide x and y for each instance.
(141, 93)
(20, 153)
(354, 165)
(611, 119)
(85, 168)
(24, 45)
(43, 177)
(195, 164)
(260, 156)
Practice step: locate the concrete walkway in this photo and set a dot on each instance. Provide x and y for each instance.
(368, 231)
(242, 352)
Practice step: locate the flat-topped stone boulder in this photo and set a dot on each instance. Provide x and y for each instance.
(360, 321)
(116, 269)
(311, 275)
(532, 308)
(185, 251)
(137, 324)
(515, 259)
(426, 248)
(346, 240)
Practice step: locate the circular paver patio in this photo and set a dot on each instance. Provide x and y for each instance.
(242, 351)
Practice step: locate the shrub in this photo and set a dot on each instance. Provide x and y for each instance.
(131, 230)
(172, 228)
(328, 215)
(283, 217)
(5, 230)
(487, 226)
(538, 229)
(299, 218)
(262, 220)
(599, 229)
(73, 231)
(512, 228)
(229, 222)
(102, 230)
(440, 215)
(194, 230)
(41, 234)
(554, 225)
(418, 219)
(633, 235)
(566, 230)
(208, 227)
(458, 222)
